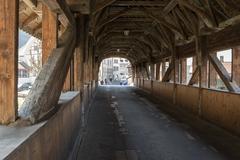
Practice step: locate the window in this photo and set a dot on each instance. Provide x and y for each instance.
(189, 68)
(115, 68)
(225, 58)
(115, 61)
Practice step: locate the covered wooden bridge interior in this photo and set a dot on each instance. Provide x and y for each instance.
(155, 35)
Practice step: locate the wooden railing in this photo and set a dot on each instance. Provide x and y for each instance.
(219, 107)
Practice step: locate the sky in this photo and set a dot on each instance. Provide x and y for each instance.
(227, 55)
(23, 38)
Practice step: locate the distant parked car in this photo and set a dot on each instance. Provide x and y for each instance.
(24, 86)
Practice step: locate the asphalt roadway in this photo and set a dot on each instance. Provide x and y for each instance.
(123, 125)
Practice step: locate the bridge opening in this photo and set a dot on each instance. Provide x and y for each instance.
(115, 71)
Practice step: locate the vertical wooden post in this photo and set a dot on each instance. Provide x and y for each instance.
(184, 71)
(72, 70)
(80, 50)
(77, 70)
(67, 83)
(212, 76)
(177, 72)
(174, 72)
(49, 32)
(86, 50)
(236, 65)
(152, 71)
(201, 51)
(163, 67)
(158, 71)
(8, 60)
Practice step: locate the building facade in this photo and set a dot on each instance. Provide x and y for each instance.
(116, 69)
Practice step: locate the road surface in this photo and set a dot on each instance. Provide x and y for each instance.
(123, 125)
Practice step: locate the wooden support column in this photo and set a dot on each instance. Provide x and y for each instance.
(194, 63)
(201, 51)
(204, 72)
(72, 75)
(173, 62)
(146, 68)
(152, 71)
(8, 60)
(86, 54)
(236, 65)
(163, 68)
(49, 32)
(184, 71)
(177, 72)
(80, 49)
(158, 71)
(77, 70)
(67, 83)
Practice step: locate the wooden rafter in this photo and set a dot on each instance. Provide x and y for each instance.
(170, 6)
(200, 12)
(140, 3)
(103, 5)
(111, 18)
(162, 21)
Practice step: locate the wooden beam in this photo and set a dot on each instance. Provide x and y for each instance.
(170, 6)
(110, 19)
(125, 3)
(222, 72)
(49, 32)
(31, 3)
(195, 77)
(34, 6)
(46, 90)
(61, 7)
(29, 19)
(158, 71)
(200, 12)
(8, 60)
(162, 21)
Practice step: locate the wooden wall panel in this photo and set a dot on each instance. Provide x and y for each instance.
(156, 88)
(222, 108)
(187, 98)
(47, 142)
(166, 91)
(147, 85)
